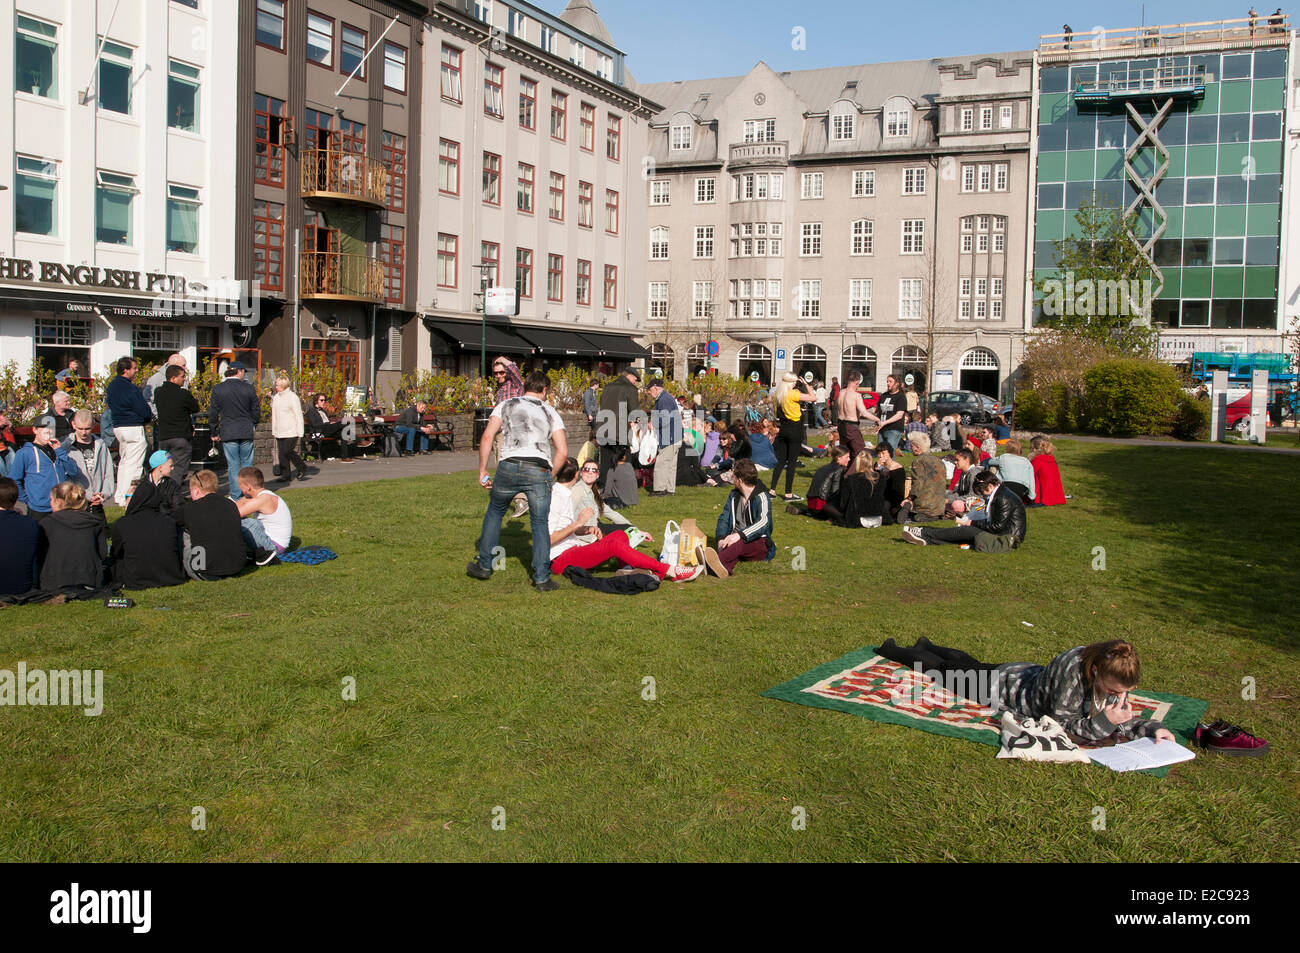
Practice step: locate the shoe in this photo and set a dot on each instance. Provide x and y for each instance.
(685, 573)
(701, 551)
(661, 493)
(634, 571)
(794, 509)
(264, 557)
(1224, 738)
(550, 585)
(300, 475)
(475, 571)
(714, 562)
(912, 534)
(793, 497)
(518, 507)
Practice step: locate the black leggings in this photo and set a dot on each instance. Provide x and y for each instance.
(937, 658)
(786, 446)
(288, 447)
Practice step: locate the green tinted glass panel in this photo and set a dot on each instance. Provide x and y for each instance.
(1261, 219)
(1231, 155)
(1173, 282)
(1267, 156)
(1230, 220)
(1209, 103)
(1202, 160)
(1174, 225)
(1260, 282)
(1196, 282)
(1234, 97)
(1269, 94)
(1049, 226)
(1198, 220)
(1228, 282)
(1051, 166)
(1177, 161)
(1079, 166)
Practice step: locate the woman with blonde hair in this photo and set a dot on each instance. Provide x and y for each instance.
(72, 541)
(1047, 475)
(287, 428)
(862, 494)
(788, 399)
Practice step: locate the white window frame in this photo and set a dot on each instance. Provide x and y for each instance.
(843, 127)
(864, 183)
(705, 190)
(703, 241)
(660, 191)
(659, 243)
(986, 118)
(985, 177)
(812, 185)
(701, 298)
(861, 237)
(909, 301)
(810, 299)
(914, 180)
(810, 239)
(968, 178)
(185, 195)
(913, 237)
(759, 130)
(680, 138)
(898, 123)
(1007, 117)
(967, 119)
(38, 167)
(860, 298)
(1001, 177)
(658, 300)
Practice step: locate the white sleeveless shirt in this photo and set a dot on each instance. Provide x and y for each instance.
(278, 525)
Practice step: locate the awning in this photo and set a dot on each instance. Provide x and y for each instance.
(551, 343)
(469, 336)
(615, 345)
(110, 306)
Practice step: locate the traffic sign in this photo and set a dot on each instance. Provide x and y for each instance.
(500, 302)
(712, 348)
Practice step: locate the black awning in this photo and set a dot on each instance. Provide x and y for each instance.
(552, 343)
(469, 336)
(84, 305)
(616, 345)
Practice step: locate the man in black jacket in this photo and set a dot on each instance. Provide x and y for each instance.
(234, 413)
(213, 542)
(619, 399)
(1002, 531)
(174, 428)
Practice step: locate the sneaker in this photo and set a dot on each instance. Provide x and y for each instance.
(793, 498)
(550, 585)
(714, 562)
(912, 534)
(475, 571)
(1224, 738)
(264, 557)
(685, 573)
(701, 553)
(518, 507)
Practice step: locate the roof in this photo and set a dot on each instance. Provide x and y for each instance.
(581, 15)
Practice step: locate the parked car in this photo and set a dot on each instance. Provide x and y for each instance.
(973, 408)
(1238, 416)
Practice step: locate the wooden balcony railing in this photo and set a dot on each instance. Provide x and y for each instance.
(327, 173)
(333, 275)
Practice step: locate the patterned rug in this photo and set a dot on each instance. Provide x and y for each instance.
(866, 684)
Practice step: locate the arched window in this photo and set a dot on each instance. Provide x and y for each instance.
(681, 132)
(861, 238)
(979, 359)
(897, 117)
(909, 354)
(809, 357)
(658, 243)
(661, 357)
(910, 359)
(862, 359)
(842, 122)
(755, 359)
(697, 358)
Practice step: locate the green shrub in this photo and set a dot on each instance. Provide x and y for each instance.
(1192, 421)
(1130, 396)
(1031, 411)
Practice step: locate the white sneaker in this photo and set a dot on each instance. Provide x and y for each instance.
(912, 534)
(518, 507)
(685, 573)
(714, 562)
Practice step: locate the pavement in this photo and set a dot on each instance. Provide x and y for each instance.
(375, 467)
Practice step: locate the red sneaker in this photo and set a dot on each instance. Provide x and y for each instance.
(1224, 738)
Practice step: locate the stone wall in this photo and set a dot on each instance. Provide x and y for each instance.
(462, 426)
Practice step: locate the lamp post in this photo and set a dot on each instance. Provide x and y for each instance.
(708, 358)
(483, 269)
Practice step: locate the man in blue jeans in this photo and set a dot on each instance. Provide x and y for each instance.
(528, 426)
(411, 423)
(891, 413)
(234, 413)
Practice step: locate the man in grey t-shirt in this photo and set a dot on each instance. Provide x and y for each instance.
(529, 427)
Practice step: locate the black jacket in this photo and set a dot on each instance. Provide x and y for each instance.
(213, 523)
(826, 482)
(1006, 516)
(18, 552)
(619, 398)
(175, 406)
(145, 552)
(233, 410)
(74, 547)
(410, 417)
(859, 498)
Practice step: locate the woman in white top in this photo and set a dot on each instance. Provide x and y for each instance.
(585, 493)
(287, 429)
(577, 541)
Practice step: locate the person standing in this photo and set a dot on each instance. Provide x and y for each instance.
(130, 413)
(174, 430)
(850, 410)
(591, 402)
(287, 429)
(833, 399)
(61, 411)
(234, 413)
(666, 418)
(788, 400)
(160, 377)
(618, 401)
(891, 413)
(94, 464)
(529, 428)
(39, 467)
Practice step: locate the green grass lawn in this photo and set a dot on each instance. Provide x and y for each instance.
(475, 695)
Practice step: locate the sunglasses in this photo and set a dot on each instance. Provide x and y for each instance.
(591, 469)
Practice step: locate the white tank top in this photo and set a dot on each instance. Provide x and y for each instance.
(278, 525)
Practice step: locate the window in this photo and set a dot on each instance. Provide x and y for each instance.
(182, 96)
(660, 192)
(898, 123)
(162, 338)
(559, 110)
(554, 277)
(395, 69)
(703, 241)
(995, 309)
(268, 245)
(1200, 191)
(270, 24)
(999, 243)
(349, 137)
(810, 238)
(450, 73)
(658, 299)
(36, 57)
(810, 299)
(914, 181)
(113, 89)
(811, 185)
(679, 138)
(182, 219)
(269, 126)
(447, 255)
(524, 192)
(860, 298)
(613, 137)
(757, 186)
(586, 199)
(604, 66)
(577, 54)
(965, 287)
(393, 155)
(701, 298)
(968, 120)
(583, 290)
(986, 118)
(611, 211)
(909, 298)
(550, 39)
(491, 178)
(1006, 117)
(320, 39)
(352, 50)
(760, 130)
(392, 254)
(659, 243)
(861, 238)
(968, 178)
(556, 209)
(864, 183)
(704, 191)
(611, 286)
(913, 236)
(493, 91)
(842, 127)
(587, 120)
(448, 167)
(36, 187)
(524, 272)
(113, 218)
(981, 243)
(516, 24)
(490, 255)
(527, 103)
(1000, 176)
(985, 178)
(483, 11)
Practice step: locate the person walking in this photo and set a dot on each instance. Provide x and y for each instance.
(130, 412)
(529, 428)
(287, 428)
(666, 418)
(234, 413)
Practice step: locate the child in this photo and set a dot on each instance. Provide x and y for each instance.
(745, 526)
(73, 541)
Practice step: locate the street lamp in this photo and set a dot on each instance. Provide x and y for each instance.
(708, 358)
(484, 270)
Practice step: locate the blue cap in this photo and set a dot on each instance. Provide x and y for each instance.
(158, 459)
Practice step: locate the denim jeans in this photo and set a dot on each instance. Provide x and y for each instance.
(410, 433)
(255, 535)
(512, 478)
(892, 437)
(239, 454)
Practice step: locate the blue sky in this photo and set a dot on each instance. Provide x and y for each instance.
(687, 39)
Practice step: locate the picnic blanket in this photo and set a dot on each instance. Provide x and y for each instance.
(309, 555)
(867, 684)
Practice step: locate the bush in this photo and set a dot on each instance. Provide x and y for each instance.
(1062, 409)
(1130, 396)
(1192, 421)
(1031, 411)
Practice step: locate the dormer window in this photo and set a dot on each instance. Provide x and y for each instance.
(898, 118)
(680, 137)
(843, 123)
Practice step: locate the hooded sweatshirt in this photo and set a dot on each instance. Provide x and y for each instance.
(145, 552)
(96, 474)
(74, 547)
(36, 474)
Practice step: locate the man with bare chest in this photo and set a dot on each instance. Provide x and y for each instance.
(850, 410)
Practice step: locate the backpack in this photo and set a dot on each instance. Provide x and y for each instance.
(392, 445)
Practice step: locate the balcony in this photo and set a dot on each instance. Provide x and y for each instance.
(758, 153)
(343, 277)
(343, 177)
(1166, 40)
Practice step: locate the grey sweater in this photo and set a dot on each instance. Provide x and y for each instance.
(1059, 689)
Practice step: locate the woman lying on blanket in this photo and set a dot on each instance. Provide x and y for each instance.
(1085, 689)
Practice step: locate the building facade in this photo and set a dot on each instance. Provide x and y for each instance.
(534, 141)
(866, 218)
(115, 236)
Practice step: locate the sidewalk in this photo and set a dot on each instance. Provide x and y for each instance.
(338, 473)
